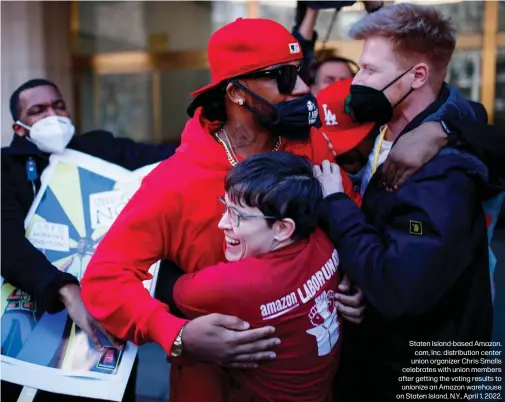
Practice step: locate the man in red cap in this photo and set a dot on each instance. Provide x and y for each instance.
(256, 103)
(350, 143)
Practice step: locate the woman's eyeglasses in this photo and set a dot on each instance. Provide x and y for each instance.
(285, 75)
(236, 216)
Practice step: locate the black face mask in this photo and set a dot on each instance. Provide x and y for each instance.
(291, 119)
(367, 104)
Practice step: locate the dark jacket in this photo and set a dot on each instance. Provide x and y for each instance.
(420, 255)
(23, 265)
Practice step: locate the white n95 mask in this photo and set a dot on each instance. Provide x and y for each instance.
(51, 134)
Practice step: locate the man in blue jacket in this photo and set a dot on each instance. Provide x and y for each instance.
(419, 253)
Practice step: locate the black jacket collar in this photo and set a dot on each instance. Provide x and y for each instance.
(20, 146)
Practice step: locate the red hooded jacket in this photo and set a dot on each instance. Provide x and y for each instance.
(174, 215)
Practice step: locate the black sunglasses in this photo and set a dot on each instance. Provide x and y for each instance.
(285, 76)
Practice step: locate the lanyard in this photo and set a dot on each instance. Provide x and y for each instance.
(377, 149)
(32, 174)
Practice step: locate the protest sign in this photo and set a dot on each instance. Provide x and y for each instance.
(78, 201)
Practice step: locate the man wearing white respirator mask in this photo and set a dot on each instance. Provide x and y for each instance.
(51, 134)
(42, 126)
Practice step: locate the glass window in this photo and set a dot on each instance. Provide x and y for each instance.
(110, 26)
(468, 16)
(499, 106)
(186, 25)
(343, 22)
(284, 13)
(115, 26)
(175, 87)
(121, 104)
(465, 73)
(85, 119)
(224, 12)
(126, 105)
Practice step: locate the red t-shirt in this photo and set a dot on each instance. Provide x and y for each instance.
(291, 289)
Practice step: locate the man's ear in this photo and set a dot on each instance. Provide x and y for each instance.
(21, 131)
(284, 229)
(235, 94)
(421, 74)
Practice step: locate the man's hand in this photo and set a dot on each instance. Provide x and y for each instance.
(411, 152)
(352, 307)
(71, 298)
(329, 177)
(228, 341)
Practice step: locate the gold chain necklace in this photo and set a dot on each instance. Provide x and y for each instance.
(233, 160)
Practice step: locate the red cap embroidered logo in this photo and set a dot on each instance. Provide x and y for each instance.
(294, 48)
(329, 117)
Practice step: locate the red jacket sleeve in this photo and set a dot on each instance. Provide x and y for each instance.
(112, 288)
(207, 291)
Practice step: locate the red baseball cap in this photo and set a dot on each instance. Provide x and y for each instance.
(247, 45)
(338, 125)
